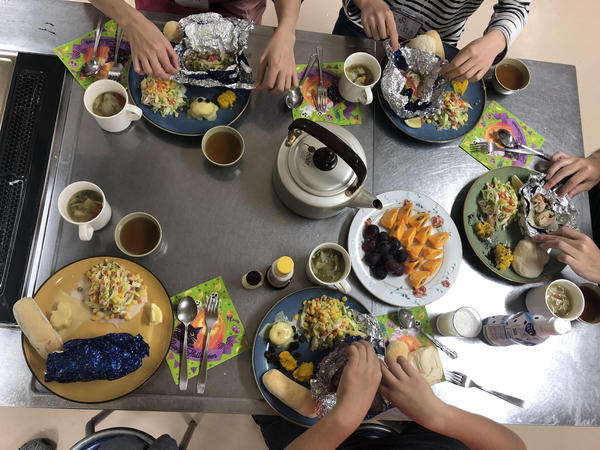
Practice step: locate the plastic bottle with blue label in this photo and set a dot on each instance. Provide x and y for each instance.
(522, 328)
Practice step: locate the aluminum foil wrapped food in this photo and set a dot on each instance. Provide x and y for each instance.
(211, 52)
(424, 66)
(107, 357)
(542, 210)
(329, 371)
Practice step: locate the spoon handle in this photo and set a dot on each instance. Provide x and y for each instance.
(451, 353)
(309, 65)
(183, 379)
(98, 36)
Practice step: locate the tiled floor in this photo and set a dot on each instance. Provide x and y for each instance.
(556, 32)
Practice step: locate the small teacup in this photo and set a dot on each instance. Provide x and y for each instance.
(537, 300)
(354, 92)
(119, 121)
(340, 283)
(219, 153)
(86, 229)
(138, 234)
(510, 76)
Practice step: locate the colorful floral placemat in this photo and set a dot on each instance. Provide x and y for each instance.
(75, 53)
(495, 117)
(339, 110)
(227, 337)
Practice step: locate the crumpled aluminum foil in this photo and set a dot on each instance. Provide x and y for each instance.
(431, 91)
(566, 213)
(213, 33)
(330, 368)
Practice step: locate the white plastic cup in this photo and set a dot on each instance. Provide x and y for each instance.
(537, 302)
(357, 93)
(123, 118)
(86, 229)
(464, 322)
(341, 284)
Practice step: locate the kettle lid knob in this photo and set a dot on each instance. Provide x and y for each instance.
(325, 159)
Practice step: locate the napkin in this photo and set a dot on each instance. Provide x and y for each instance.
(495, 117)
(73, 54)
(339, 110)
(228, 337)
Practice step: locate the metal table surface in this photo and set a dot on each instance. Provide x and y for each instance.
(228, 221)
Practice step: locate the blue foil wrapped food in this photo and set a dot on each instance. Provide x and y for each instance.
(107, 357)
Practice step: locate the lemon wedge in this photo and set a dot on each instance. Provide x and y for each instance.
(413, 122)
(516, 182)
(156, 315)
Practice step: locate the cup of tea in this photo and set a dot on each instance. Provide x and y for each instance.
(591, 309)
(223, 146)
(329, 265)
(560, 298)
(108, 103)
(83, 204)
(510, 76)
(361, 72)
(138, 234)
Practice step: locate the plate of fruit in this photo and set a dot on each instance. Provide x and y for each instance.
(409, 252)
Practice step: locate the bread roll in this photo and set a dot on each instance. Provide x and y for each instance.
(528, 259)
(427, 361)
(172, 32)
(36, 327)
(397, 348)
(289, 392)
(428, 42)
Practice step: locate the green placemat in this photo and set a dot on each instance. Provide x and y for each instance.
(228, 337)
(339, 110)
(496, 117)
(73, 54)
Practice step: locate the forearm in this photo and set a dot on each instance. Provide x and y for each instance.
(287, 14)
(328, 433)
(496, 41)
(119, 11)
(510, 16)
(475, 431)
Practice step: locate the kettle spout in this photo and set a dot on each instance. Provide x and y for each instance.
(364, 199)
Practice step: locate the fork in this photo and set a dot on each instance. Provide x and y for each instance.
(489, 147)
(115, 71)
(464, 381)
(211, 309)
(321, 90)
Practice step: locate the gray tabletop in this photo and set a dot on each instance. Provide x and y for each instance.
(228, 221)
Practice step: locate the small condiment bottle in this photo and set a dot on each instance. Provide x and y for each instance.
(280, 273)
(252, 280)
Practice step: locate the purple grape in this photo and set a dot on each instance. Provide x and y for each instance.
(369, 245)
(372, 258)
(383, 247)
(371, 231)
(379, 272)
(394, 245)
(385, 257)
(383, 236)
(394, 267)
(401, 255)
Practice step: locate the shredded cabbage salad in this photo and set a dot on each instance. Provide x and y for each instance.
(454, 113)
(113, 291)
(499, 202)
(162, 96)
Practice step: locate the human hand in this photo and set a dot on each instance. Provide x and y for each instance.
(151, 52)
(278, 58)
(473, 61)
(579, 250)
(585, 173)
(378, 21)
(359, 382)
(407, 389)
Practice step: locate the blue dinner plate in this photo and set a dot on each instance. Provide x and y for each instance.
(428, 132)
(291, 305)
(183, 125)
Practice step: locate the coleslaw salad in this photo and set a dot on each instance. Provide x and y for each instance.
(165, 97)
(454, 113)
(499, 202)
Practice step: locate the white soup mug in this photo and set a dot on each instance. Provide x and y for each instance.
(357, 93)
(86, 229)
(123, 118)
(340, 284)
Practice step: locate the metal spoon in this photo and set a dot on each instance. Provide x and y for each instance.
(186, 312)
(407, 320)
(508, 140)
(294, 97)
(92, 67)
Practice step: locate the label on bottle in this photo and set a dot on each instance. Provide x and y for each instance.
(516, 329)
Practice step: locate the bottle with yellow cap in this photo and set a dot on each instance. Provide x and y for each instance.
(280, 273)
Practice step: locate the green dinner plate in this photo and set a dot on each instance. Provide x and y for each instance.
(509, 237)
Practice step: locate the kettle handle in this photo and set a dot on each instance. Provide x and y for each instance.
(335, 144)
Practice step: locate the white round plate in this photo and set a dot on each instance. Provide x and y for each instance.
(397, 290)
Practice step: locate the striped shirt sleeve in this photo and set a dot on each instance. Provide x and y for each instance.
(510, 16)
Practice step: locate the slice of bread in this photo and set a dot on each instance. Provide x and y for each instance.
(439, 47)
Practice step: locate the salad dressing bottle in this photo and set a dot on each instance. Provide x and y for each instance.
(522, 328)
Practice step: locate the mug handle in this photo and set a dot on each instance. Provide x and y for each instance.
(85, 231)
(343, 286)
(133, 112)
(368, 96)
